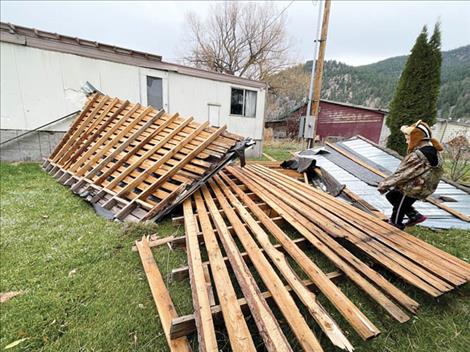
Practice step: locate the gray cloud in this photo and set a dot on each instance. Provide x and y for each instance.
(360, 31)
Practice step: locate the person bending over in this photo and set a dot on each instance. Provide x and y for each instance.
(417, 175)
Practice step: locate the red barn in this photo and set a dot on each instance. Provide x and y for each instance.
(338, 120)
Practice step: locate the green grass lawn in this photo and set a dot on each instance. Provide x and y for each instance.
(85, 290)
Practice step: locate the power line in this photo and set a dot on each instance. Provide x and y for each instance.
(280, 14)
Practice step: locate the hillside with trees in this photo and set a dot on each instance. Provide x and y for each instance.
(372, 85)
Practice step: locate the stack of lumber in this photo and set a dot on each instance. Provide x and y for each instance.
(247, 232)
(134, 162)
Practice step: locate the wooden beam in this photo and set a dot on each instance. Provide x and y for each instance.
(135, 149)
(166, 309)
(327, 324)
(77, 122)
(239, 334)
(66, 149)
(147, 154)
(182, 272)
(283, 299)
(268, 326)
(384, 232)
(186, 324)
(205, 326)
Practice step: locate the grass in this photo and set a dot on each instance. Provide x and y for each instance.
(85, 290)
(281, 149)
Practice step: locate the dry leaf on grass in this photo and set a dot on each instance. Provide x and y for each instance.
(15, 343)
(7, 295)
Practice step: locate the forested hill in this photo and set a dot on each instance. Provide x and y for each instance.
(373, 85)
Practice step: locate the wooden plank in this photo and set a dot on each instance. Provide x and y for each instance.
(126, 142)
(155, 166)
(89, 136)
(77, 122)
(205, 326)
(60, 157)
(107, 140)
(268, 326)
(351, 313)
(283, 299)
(147, 155)
(392, 259)
(387, 233)
(355, 198)
(174, 169)
(341, 257)
(185, 325)
(162, 204)
(327, 324)
(135, 149)
(90, 173)
(210, 291)
(166, 309)
(385, 229)
(147, 164)
(182, 273)
(237, 329)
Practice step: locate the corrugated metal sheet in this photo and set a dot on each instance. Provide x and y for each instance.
(438, 218)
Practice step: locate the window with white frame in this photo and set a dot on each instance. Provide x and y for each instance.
(243, 102)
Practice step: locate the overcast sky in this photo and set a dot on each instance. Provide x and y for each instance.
(361, 32)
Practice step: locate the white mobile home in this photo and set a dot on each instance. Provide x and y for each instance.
(42, 74)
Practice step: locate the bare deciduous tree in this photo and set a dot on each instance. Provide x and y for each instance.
(242, 39)
(458, 156)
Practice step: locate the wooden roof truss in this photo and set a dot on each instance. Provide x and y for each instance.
(136, 163)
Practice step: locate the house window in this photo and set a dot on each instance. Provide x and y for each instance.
(243, 102)
(154, 92)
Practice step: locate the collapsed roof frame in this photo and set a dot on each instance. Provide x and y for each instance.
(136, 163)
(236, 216)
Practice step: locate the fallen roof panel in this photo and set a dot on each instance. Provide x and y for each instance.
(136, 163)
(384, 161)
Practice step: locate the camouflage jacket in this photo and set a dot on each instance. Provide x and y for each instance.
(415, 176)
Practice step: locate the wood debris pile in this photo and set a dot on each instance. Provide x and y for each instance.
(136, 163)
(247, 235)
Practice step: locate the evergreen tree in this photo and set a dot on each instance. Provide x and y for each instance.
(435, 44)
(417, 91)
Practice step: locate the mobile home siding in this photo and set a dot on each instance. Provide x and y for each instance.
(39, 86)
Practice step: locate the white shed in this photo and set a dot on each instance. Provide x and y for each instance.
(42, 74)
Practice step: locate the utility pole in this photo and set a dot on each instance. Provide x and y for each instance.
(315, 107)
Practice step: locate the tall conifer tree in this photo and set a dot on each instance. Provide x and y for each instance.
(417, 91)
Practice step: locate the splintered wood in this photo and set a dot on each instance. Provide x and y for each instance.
(134, 162)
(247, 226)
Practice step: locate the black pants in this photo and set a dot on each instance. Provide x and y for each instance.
(401, 205)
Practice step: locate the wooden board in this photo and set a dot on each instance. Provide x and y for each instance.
(162, 299)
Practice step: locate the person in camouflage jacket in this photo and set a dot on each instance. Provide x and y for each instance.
(417, 175)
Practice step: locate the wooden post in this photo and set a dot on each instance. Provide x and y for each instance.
(319, 74)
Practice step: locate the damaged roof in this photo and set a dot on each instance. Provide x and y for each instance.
(364, 183)
(135, 163)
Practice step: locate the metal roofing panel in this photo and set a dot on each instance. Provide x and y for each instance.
(437, 217)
